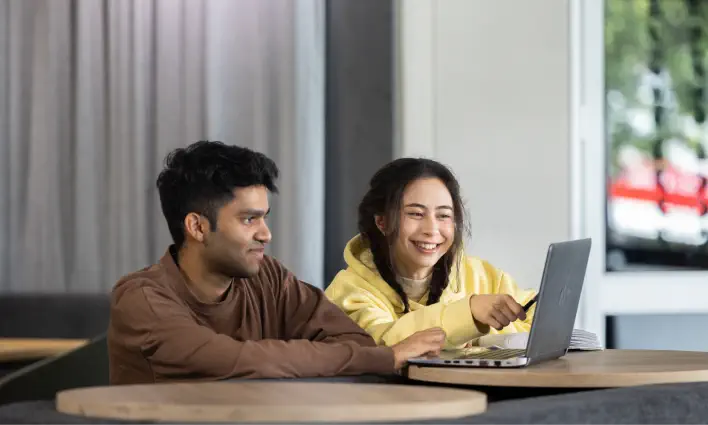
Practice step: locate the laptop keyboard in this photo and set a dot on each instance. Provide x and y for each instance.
(500, 354)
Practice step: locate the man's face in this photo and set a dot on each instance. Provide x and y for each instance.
(236, 248)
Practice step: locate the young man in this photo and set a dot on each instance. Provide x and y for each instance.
(215, 306)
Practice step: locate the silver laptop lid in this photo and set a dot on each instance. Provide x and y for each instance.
(559, 296)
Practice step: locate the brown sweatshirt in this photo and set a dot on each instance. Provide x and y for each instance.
(268, 326)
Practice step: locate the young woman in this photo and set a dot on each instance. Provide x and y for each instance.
(407, 270)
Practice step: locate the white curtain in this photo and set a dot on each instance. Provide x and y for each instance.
(94, 93)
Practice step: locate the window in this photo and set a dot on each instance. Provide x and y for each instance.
(656, 53)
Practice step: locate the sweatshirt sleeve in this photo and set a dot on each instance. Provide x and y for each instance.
(505, 284)
(372, 313)
(177, 347)
(311, 316)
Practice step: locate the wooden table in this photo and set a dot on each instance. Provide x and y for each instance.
(262, 401)
(595, 369)
(20, 349)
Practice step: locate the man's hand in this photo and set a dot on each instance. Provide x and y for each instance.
(496, 310)
(424, 343)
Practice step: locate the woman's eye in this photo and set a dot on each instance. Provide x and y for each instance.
(415, 214)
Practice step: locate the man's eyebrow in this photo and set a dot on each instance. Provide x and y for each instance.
(254, 212)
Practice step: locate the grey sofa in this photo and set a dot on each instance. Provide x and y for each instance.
(83, 367)
(656, 404)
(60, 315)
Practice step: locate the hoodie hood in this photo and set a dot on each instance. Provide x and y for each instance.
(360, 261)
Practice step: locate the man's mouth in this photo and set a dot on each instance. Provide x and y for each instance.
(257, 251)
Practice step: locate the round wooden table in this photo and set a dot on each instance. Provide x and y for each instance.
(593, 369)
(271, 402)
(16, 349)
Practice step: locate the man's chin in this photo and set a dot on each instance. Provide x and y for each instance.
(245, 272)
(252, 269)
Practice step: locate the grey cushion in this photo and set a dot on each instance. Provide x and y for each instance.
(675, 403)
(654, 404)
(53, 315)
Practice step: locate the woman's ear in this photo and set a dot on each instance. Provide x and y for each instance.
(380, 223)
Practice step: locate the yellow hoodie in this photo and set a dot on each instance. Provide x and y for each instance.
(377, 308)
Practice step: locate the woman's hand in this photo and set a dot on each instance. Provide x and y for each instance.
(496, 310)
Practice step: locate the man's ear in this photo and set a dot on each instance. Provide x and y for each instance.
(196, 226)
(380, 223)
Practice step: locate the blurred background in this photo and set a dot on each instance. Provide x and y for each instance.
(561, 118)
(655, 66)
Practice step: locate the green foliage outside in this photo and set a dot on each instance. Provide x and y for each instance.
(630, 48)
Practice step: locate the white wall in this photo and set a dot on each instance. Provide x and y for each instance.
(485, 86)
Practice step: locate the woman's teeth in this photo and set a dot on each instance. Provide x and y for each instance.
(426, 246)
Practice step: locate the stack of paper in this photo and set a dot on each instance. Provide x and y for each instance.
(580, 340)
(584, 341)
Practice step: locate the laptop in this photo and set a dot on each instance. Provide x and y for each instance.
(553, 322)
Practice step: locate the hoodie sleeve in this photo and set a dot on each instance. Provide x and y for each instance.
(371, 310)
(503, 283)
